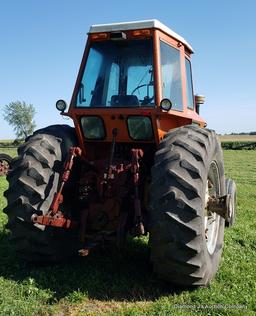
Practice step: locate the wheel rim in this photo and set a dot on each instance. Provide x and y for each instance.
(232, 205)
(4, 167)
(212, 220)
(231, 209)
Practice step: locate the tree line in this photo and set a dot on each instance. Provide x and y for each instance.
(250, 133)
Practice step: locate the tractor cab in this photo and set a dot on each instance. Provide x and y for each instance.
(135, 77)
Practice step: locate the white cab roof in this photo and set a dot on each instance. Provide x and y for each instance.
(135, 25)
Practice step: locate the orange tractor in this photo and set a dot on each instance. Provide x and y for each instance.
(139, 161)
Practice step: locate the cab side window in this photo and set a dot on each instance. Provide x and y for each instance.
(171, 75)
(189, 86)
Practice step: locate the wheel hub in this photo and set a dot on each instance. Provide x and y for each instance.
(212, 219)
(4, 167)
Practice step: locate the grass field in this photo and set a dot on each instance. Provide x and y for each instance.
(237, 138)
(123, 284)
(9, 151)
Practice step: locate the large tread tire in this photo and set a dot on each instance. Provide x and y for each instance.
(33, 181)
(179, 251)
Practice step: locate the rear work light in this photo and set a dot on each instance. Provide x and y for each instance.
(93, 127)
(140, 127)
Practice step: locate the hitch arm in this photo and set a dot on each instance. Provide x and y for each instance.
(135, 166)
(55, 217)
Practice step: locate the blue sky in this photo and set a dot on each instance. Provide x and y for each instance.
(42, 41)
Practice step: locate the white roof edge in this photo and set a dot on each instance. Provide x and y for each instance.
(135, 25)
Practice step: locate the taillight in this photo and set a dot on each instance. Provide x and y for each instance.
(93, 127)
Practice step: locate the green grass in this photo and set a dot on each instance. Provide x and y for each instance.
(7, 147)
(123, 284)
(9, 151)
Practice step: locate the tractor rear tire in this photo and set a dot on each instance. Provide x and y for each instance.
(33, 182)
(185, 238)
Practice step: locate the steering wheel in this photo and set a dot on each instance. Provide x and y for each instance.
(147, 99)
(142, 85)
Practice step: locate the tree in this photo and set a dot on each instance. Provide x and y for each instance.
(21, 116)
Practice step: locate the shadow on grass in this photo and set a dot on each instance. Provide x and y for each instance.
(102, 275)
